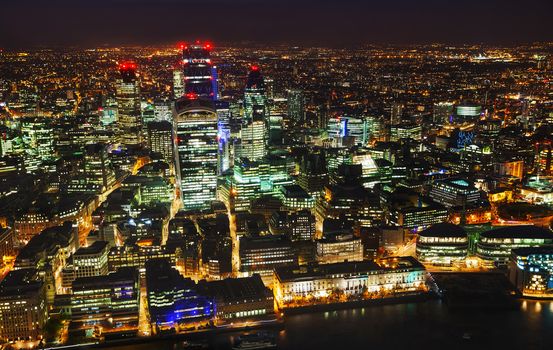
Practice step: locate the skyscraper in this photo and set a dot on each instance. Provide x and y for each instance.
(296, 105)
(160, 139)
(128, 104)
(254, 130)
(197, 150)
(198, 70)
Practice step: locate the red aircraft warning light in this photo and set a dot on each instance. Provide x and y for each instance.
(191, 96)
(127, 65)
(254, 67)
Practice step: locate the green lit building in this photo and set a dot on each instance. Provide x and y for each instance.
(495, 246)
(195, 125)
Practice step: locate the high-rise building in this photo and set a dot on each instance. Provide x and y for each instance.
(160, 139)
(223, 135)
(198, 70)
(197, 150)
(178, 82)
(98, 169)
(296, 105)
(128, 104)
(255, 128)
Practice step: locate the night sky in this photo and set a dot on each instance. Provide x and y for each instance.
(85, 23)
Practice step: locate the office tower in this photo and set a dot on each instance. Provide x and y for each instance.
(178, 82)
(23, 310)
(396, 113)
(37, 137)
(442, 112)
(198, 70)
(302, 225)
(223, 135)
(197, 150)
(128, 105)
(296, 105)
(160, 139)
(313, 175)
(98, 169)
(254, 130)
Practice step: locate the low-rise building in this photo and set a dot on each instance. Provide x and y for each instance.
(240, 297)
(295, 285)
(23, 310)
(495, 246)
(110, 302)
(531, 271)
(442, 244)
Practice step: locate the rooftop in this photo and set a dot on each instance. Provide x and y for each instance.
(444, 229)
(522, 231)
(289, 273)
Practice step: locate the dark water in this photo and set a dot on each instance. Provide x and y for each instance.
(428, 325)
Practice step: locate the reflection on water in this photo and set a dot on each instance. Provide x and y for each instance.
(428, 325)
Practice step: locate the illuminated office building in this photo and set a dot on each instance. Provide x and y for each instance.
(405, 131)
(173, 299)
(495, 246)
(98, 170)
(313, 175)
(342, 128)
(160, 139)
(253, 179)
(302, 225)
(245, 297)
(178, 83)
(110, 300)
(442, 112)
(467, 112)
(296, 105)
(349, 199)
(531, 271)
(454, 192)
(442, 244)
(398, 275)
(23, 310)
(295, 198)
(224, 135)
(198, 70)
(337, 248)
(129, 114)
(197, 150)
(37, 137)
(262, 254)
(254, 133)
(92, 260)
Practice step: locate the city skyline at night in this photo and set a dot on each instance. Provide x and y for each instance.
(182, 174)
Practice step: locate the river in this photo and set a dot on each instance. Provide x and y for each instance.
(424, 325)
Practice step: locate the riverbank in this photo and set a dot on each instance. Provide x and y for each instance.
(275, 324)
(402, 299)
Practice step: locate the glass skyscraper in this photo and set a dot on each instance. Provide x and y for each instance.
(129, 115)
